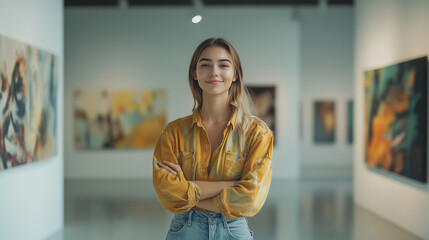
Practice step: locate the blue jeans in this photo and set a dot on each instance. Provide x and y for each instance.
(196, 225)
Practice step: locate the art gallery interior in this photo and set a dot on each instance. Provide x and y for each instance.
(308, 51)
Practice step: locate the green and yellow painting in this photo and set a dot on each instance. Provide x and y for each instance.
(396, 118)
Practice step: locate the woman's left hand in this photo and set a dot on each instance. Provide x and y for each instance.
(170, 167)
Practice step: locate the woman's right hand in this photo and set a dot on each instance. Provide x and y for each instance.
(170, 167)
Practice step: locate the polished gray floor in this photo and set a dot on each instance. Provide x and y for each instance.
(297, 210)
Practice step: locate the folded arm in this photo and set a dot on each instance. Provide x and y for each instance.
(175, 193)
(209, 189)
(248, 195)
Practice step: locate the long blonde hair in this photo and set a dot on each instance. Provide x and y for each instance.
(238, 95)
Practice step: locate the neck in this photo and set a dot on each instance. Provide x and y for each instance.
(215, 109)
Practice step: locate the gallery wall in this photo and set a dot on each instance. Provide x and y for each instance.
(150, 48)
(388, 32)
(327, 44)
(31, 202)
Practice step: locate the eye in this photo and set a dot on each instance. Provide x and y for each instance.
(204, 65)
(224, 65)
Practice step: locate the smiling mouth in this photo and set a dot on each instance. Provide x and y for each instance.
(213, 81)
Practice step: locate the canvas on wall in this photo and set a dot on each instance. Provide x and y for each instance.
(350, 107)
(324, 122)
(396, 118)
(127, 119)
(263, 98)
(28, 99)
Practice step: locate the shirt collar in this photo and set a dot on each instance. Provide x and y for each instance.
(233, 118)
(196, 118)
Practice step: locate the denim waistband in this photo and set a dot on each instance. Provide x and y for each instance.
(203, 217)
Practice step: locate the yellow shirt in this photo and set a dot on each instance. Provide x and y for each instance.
(185, 142)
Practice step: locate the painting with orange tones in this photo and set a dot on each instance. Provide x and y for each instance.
(125, 119)
(396, 118)
(324, 122)
(28, 103)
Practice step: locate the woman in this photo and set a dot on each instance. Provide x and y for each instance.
(213, 168)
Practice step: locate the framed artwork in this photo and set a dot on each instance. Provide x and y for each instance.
(396, 118)
(324, 122)
(350, 107)
(301, 120)
(28, 102)
(263, 98)
(127, 119)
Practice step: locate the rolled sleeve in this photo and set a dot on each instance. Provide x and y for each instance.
(174, 192)
(248, 195)
(194, 193)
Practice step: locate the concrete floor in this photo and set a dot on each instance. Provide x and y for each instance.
(297, 210)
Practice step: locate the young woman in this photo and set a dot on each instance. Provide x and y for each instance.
(212, 169)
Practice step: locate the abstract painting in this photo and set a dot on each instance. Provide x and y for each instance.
(324, 122)
(396, 118)
(263, 98)
(350, 121)
(28, 101)
(122, 119)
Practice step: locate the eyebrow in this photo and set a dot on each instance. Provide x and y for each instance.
(220, 60)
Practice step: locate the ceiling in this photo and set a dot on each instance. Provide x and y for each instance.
(131, 3)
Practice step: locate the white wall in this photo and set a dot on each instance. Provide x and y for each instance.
(327, 45)
(388, 32)
(151, 48)
(31, 202)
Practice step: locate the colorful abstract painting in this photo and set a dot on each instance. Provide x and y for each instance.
(324, 122)
(28, 101)
(118, 119)
(396, 118)
(263, 98)
(350, 108)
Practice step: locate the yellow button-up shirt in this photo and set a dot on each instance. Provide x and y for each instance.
(185, 142)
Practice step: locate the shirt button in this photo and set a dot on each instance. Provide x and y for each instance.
(207, 147)
(198, 124)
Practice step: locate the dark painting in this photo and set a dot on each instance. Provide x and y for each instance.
(324, 122)
(350, 107)
(263, 98)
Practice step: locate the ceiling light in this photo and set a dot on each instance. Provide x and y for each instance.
(197, 19)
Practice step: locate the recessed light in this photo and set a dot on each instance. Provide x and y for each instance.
(197, 19)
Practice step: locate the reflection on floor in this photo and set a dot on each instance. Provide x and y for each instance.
(296, 210)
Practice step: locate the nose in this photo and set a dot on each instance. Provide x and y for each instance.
(214, 71)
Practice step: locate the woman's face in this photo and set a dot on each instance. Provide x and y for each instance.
(215, 71)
